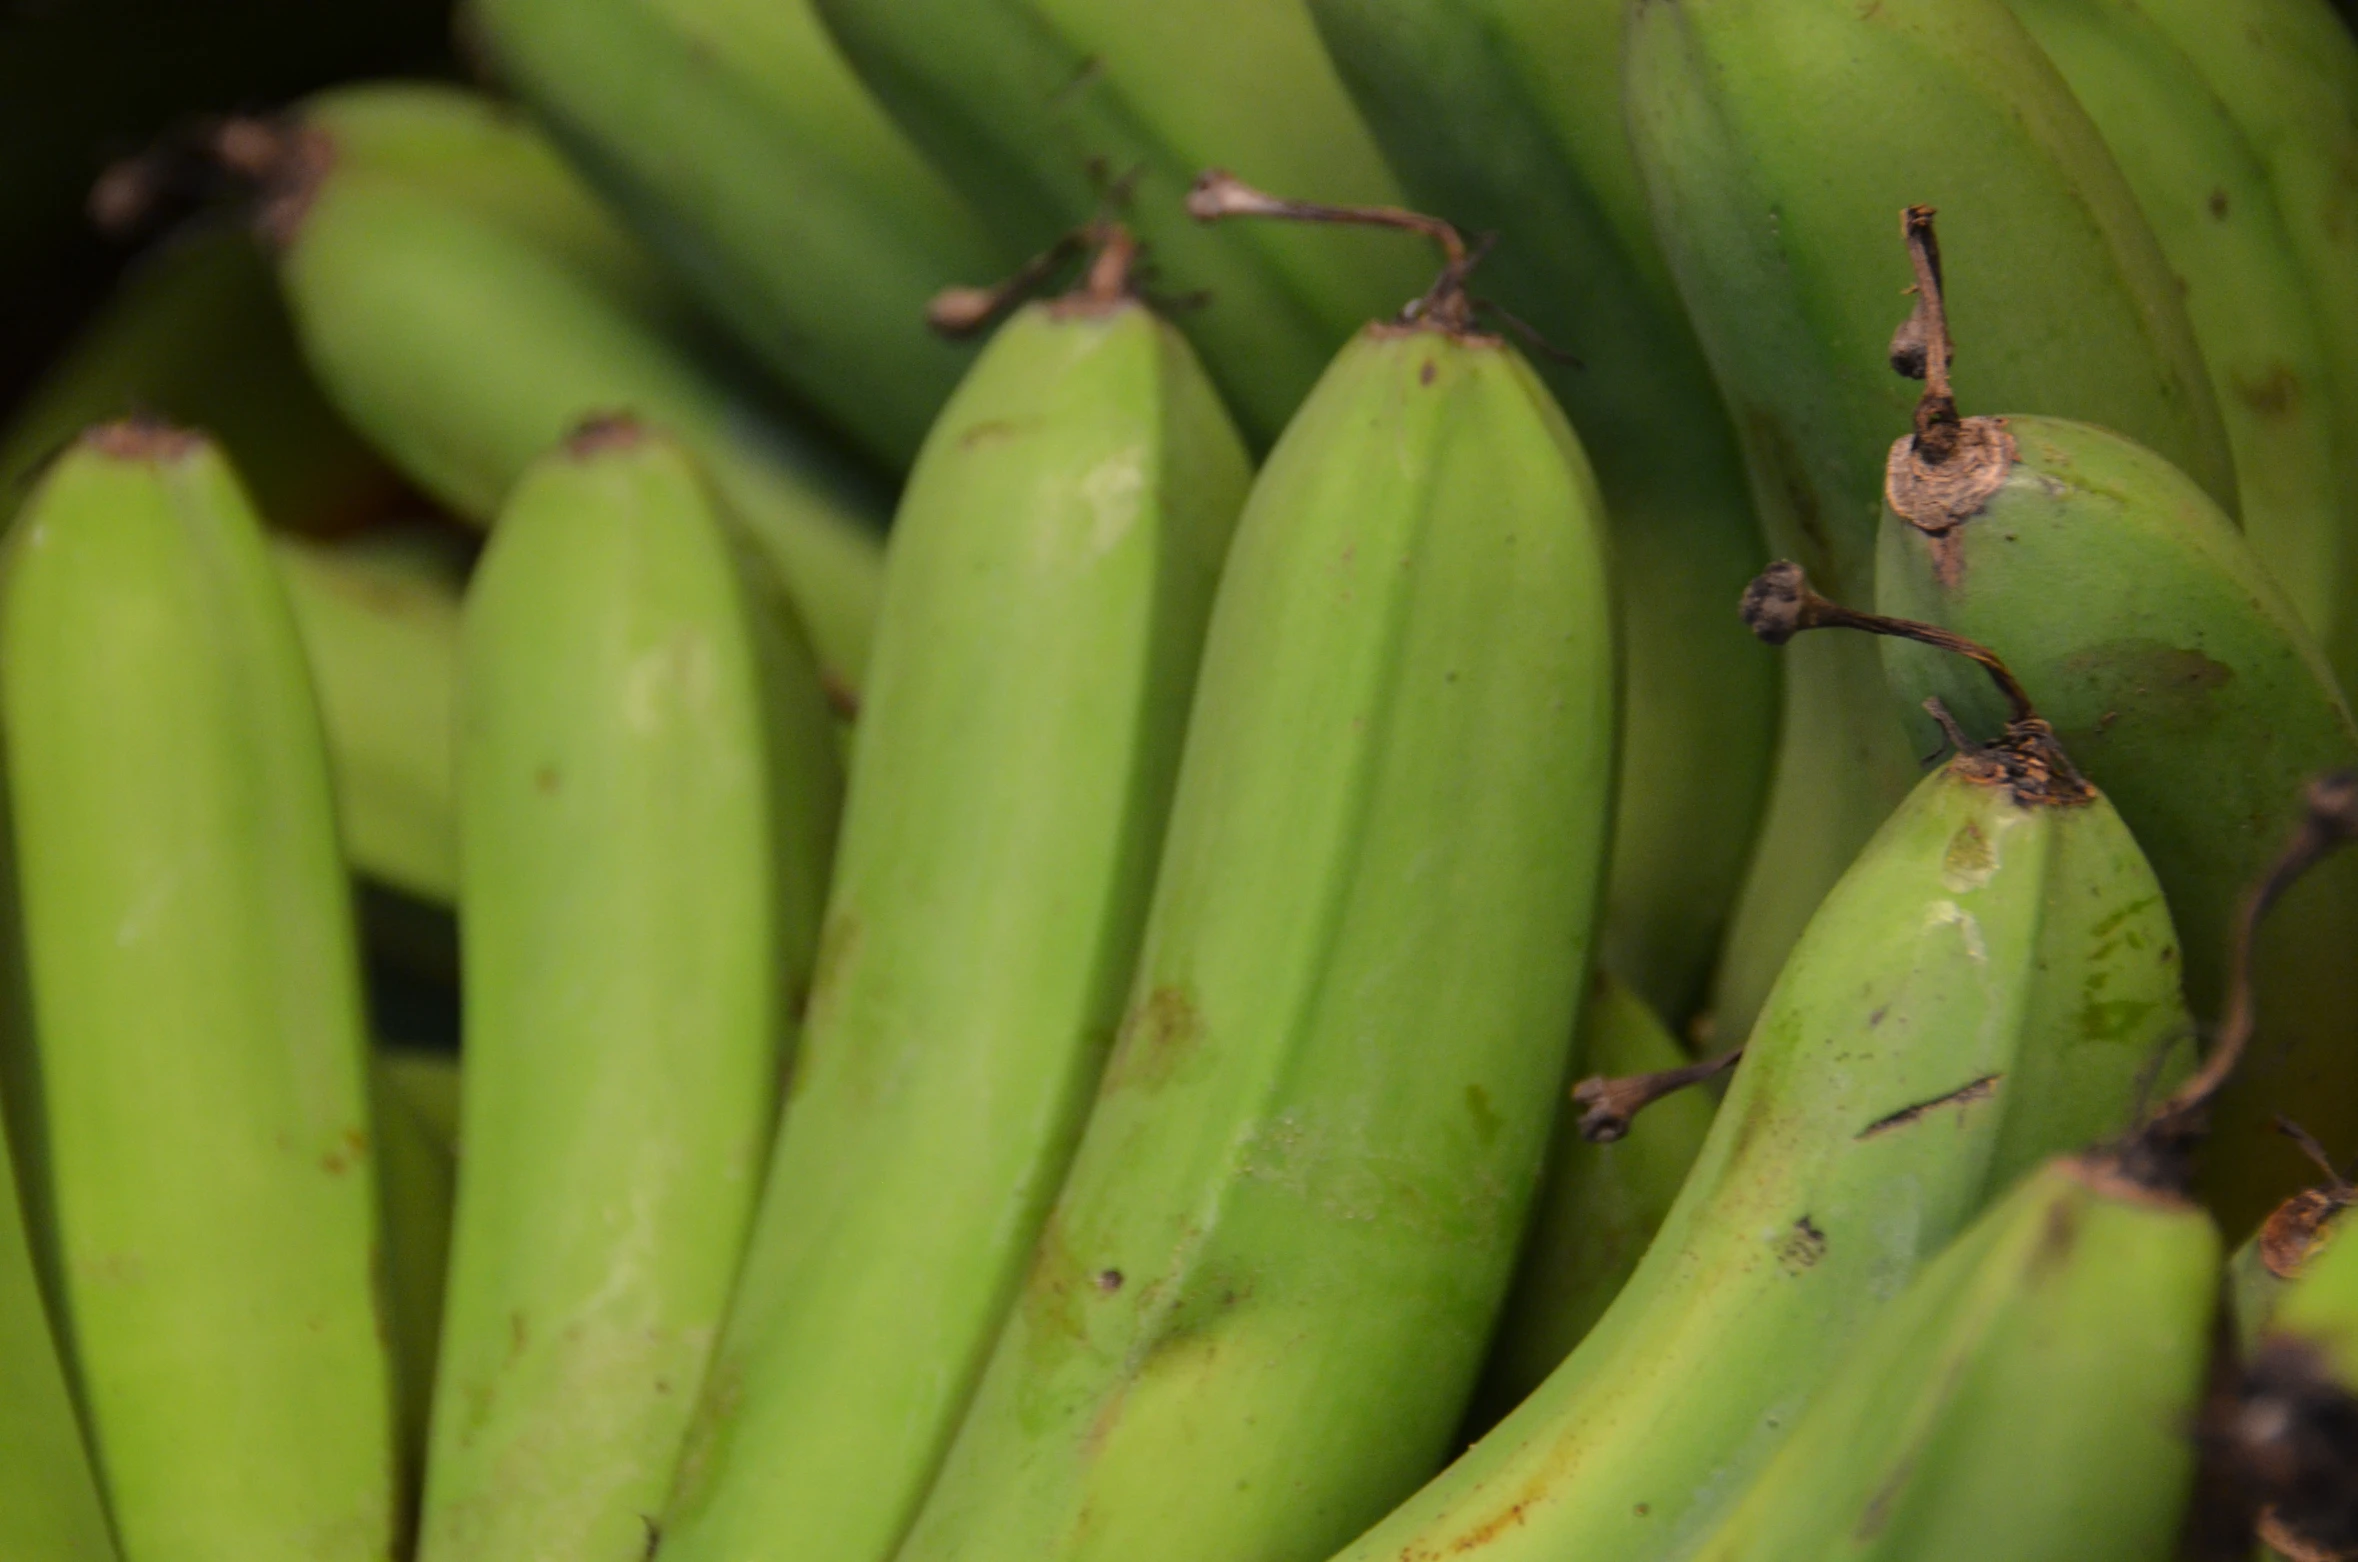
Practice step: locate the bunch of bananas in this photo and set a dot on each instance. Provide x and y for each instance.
(797, 799)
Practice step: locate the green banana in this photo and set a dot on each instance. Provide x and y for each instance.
(1992, 981)
(1050, 576)
(1260, 1301)
(2205, 192)
(2286, 72)
(1598, 1206)
(379, 617)
(648, 789)
(195, 332)
(1779, 139)
(427, 1081)
(192, 1088)
(464, 345)
(50, 1509)
(2028, 1396)
(2296, 1421)
(1504, 115)
(417, 1175)
(2182, 682)
(1041, 110)
(746, 151)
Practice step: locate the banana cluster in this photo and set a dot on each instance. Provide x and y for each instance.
(904, 781)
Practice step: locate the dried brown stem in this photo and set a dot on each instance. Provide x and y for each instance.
(957, 312)
(2335, 1182)
(2329, 822)
(1781, 603)
(1922, 349)
(1613, 1102)
(1219, 194)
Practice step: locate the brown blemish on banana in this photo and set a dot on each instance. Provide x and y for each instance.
(2273, 396)
(1964, 1095)
(1156, 1037)
(2294, 1437)
(148, 440)
(1801, 1247)
(2289, 1236)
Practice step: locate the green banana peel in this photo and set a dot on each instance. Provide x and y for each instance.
(1779, 142)
(2183, 684)
(379, 618)
(647, 805)
(2206, 193)
(1496, 115)
(2029, 1395)
(1598, 1205)
(1932, 1038)
(1050, 578)
(1042, 112)
(746, 152)
(417, 1174)
(191, 1088)
(464, 346)
(1261, 1299)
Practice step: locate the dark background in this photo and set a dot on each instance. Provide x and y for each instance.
(85, 81)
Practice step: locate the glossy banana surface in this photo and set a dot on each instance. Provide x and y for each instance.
(743, 148)
(2183, 684)
(465, 342)
(647, 805)
(1043, 111)
(1504, 117)
(2031, 1395)
(1994, 979)
(1260, 1301)
(192, 1088)
(1050, 577)
(1780, 141)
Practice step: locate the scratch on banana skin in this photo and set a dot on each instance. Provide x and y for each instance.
(1948, 913)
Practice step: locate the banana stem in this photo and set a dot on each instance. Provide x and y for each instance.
(2331, 822)
(1218, 195)
(1780, 604)
(1612, 1102)
(2336, 1185)
(958, 312)
(1922, 349)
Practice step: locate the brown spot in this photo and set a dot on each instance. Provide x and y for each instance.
(2056, 1239)
(601, 432)
(1424, 376)
(519, 1335)
(1157, 1036)
(2218, 204)
(842, 698)
(1483, 1534)
(1964, 1095)
(2298, 1229)
(985, 432)
(1109, 1280)
(545, 778)
(143, 439)
(2273, 395)
(1877, 1512)
(1643, 1509)
(1802, 1247)
(1486, 1118)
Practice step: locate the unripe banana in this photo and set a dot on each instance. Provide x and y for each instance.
(1504, 115)
(195, 332)
(50, 1510)
(2296, 1408)
(2287, 73)
(1779, 140)
(1932, 1037)
(1050, 576)
(417, 1175)
(1261, 1299)
(647, 798)
(2205, 192)
(739, 141)
(2184, 685)
(1598, 1206)
(464, 344)
(379, 617)
(1040, 111)
(2031, 1394)
(192, 1088)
